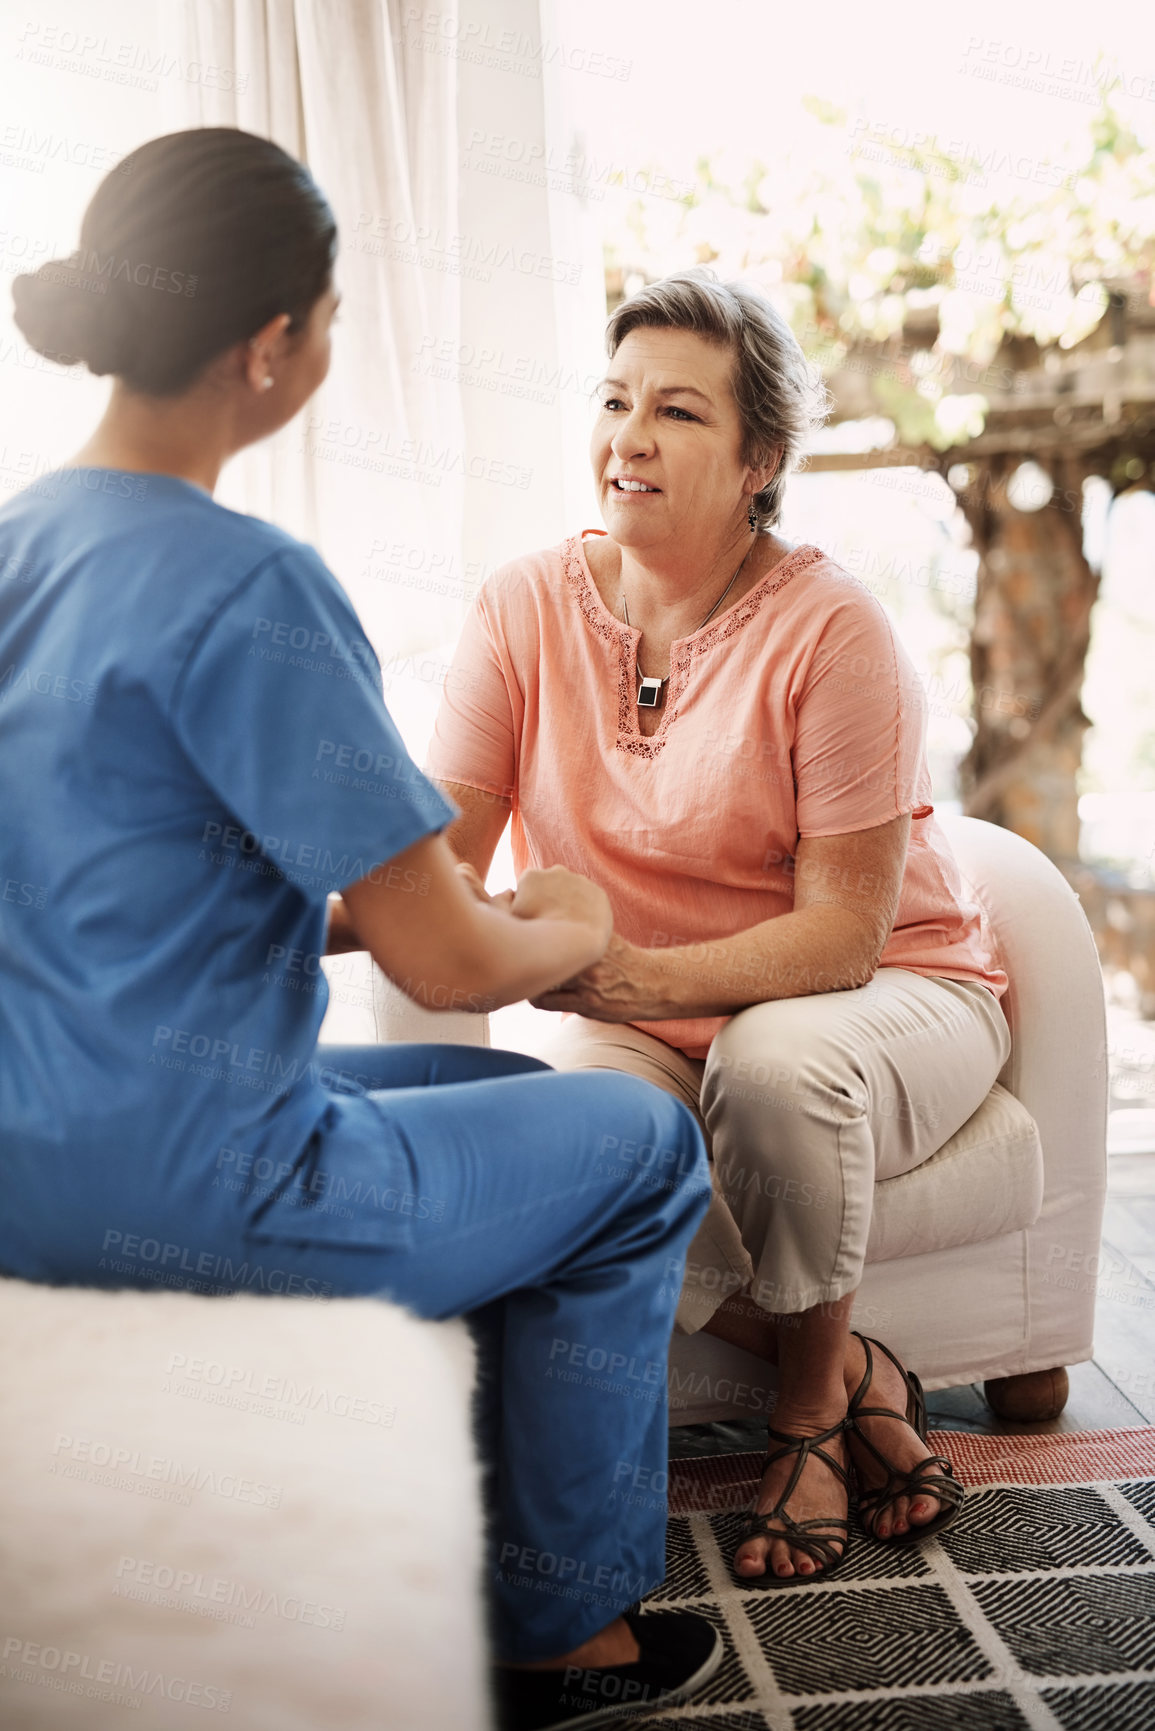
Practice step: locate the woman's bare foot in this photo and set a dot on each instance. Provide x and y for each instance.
(616, 1644)
(895, 1439)
(819, 1495)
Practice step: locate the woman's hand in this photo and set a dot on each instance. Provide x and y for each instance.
(621, 987)
(846, 890)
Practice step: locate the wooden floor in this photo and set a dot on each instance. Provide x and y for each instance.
(1116, 1390)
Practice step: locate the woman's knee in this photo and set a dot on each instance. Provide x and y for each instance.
(773, 1136)
(779, 1065)
(788, 1176)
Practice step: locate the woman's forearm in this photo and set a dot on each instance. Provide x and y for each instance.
(815, 949)
(846, 894)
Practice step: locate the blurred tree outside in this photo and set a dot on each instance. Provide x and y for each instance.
(1005, 342)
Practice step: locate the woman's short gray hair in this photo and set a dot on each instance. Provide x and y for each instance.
(780, 395)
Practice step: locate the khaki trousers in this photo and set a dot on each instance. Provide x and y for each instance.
(806, 1103)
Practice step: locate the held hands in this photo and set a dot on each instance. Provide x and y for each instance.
(557, 894)
(616, 984)
(475, 884)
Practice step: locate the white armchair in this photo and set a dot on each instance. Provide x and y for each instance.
(981, 1263)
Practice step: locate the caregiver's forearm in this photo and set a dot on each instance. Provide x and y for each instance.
(447, 946)
(815, 949)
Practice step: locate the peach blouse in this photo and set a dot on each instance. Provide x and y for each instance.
(796, 713)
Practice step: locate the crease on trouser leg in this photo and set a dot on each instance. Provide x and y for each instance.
(717, 1266)
(786, 1105)
(805, 1212)
(717, 1262)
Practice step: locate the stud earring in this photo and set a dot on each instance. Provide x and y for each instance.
(752, 515)
(267, 384)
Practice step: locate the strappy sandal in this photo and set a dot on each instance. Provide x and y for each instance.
(799, 1535)
(923, 1480)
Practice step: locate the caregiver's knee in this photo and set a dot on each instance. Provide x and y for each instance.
(655, 1144)
(654, 1164)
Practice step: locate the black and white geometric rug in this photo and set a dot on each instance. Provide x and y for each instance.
(1034, 1612)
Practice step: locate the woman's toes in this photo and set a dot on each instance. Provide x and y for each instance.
(751, 1558)
(759, 1556)
(904, 1513)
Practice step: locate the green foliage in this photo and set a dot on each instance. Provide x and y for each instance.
(934, 256)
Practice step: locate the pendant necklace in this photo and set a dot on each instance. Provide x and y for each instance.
(651, 692)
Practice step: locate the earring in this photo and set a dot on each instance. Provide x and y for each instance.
(752, 515)
(267, 383)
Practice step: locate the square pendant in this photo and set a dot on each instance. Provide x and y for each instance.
(650, 693)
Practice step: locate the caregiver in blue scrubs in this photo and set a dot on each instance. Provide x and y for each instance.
(194, 756)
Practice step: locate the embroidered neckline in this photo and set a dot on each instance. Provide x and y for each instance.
(604, 625)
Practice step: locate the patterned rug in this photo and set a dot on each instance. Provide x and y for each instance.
(1034, 1612)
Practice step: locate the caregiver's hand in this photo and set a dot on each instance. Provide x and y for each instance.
(475, 883)
(553, 892)
(430, 925)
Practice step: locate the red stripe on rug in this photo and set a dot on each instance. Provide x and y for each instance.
(1085, 1457)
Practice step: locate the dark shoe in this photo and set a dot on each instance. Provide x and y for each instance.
(809, 1536)
(923, 1480)
(679, 1653)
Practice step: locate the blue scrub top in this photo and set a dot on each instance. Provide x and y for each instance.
(194, 752)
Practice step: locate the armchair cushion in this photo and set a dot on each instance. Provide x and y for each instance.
(986, 1181)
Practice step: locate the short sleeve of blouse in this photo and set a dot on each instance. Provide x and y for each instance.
(860, 723)
(279, 708)
(474, 739)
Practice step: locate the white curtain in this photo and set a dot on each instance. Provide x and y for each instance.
(372, 471)
(451, 432)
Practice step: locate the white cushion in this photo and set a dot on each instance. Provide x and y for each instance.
(262, 1506)
(987, 1180)
(398, 1018)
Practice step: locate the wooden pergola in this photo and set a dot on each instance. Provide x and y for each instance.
(1089, 410)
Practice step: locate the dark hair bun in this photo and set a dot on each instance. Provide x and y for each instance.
(63, 312)
(191, 244)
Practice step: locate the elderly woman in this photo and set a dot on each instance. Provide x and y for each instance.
(722, 730)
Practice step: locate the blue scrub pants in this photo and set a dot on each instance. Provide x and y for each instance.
(554, 1212)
